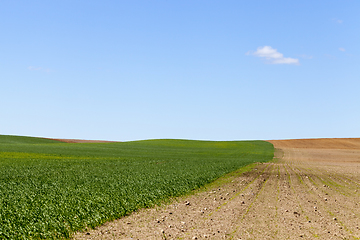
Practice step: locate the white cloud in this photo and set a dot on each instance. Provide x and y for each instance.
(338, 20)
(32, 68)
(273, 56)
(342, 49)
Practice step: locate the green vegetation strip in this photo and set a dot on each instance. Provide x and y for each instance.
(49, 189)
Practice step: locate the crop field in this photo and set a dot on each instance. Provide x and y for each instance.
(311, 190)
(51, 189)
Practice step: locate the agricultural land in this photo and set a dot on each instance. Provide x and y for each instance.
(50, 189)
(311, 190)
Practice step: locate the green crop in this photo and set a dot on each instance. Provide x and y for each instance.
(50, 189)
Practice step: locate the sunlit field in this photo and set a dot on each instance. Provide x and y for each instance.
(50, 189)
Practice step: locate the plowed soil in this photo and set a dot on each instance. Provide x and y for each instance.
(310, 191)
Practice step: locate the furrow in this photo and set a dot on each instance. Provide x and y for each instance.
(239, 192)
(303, 225)
(258, 211)
(331, 224)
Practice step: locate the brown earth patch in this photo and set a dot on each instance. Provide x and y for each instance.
(319, 143)
(305, 193)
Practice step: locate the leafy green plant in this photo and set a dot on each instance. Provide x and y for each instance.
(50, 189)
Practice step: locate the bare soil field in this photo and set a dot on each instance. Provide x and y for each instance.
(319, 143)
(310, 191)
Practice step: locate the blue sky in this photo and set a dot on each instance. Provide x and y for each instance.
(199, 69)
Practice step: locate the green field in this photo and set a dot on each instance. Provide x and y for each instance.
(49, 189)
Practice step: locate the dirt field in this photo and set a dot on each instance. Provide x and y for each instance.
(310, 191)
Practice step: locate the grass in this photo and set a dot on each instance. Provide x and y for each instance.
(50, 189)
